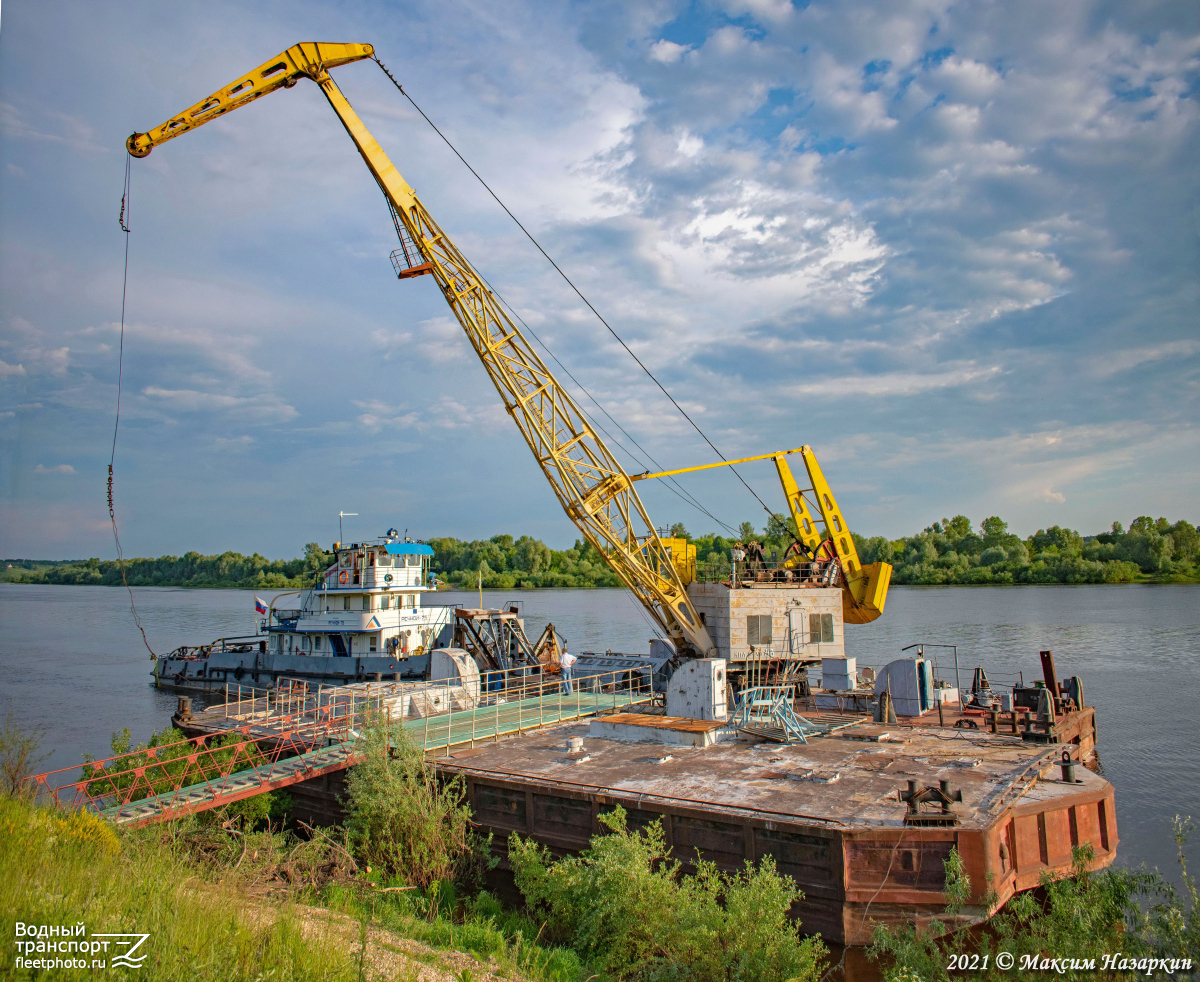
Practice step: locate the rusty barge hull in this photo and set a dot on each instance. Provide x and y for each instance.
(829, 813)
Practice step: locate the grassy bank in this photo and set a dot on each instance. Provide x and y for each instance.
(56, 871)
(220, 903)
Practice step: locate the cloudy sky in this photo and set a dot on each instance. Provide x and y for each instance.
(951, 246)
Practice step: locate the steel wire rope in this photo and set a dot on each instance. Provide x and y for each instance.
(678, 490)
(126, 210)
(569, 282)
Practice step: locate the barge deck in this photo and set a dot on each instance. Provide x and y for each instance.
(832, 813)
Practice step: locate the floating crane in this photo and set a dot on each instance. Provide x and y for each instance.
(591, 485)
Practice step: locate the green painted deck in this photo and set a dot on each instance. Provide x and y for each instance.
(467, 726)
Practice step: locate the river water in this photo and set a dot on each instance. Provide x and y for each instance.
(72, 663)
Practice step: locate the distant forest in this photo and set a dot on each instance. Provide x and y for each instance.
(949, 551)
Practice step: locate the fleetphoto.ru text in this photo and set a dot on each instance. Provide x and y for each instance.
(53, 946)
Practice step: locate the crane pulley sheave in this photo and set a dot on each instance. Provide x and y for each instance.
(589, 482)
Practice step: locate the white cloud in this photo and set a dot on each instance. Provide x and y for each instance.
(668, 52)
(377, 415)
(896, 383)
(256, 409)
(1112, 363)
(234, 444)
(768, 10)
(814, 208)
(56, 469)
(443, 413)
(51, 126)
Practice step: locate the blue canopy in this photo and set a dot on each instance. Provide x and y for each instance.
(409, 549)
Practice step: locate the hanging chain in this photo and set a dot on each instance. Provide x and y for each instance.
(126, 201)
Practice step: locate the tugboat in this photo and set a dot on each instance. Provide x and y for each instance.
(361, 620)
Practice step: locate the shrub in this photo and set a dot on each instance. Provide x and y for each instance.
(403, 820)
(992, 555)
(1080, 916)
(18, 751)
(609, 902)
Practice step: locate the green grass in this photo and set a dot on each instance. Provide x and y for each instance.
(198, 891)
(480, 926)
(59, 871)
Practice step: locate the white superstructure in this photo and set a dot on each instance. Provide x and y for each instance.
(367, 604)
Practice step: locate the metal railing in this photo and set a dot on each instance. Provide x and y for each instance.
(201, 772)
(238, 644)
(530, 700)
(275, 738)
(820, 573)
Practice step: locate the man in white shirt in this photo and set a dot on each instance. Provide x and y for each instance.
(568, 663)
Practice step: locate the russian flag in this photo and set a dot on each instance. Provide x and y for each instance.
(259, 606)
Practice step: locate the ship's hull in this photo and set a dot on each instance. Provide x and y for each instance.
(263, 669)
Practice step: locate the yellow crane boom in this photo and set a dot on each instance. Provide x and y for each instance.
(864, 588)
(593, 488)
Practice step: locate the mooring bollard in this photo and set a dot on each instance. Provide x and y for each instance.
(1068, 768)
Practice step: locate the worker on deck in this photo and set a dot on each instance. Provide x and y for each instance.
(567, 662)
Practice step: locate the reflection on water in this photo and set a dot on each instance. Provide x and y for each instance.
(72, 662)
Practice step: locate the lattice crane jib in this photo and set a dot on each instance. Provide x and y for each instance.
(589, 482)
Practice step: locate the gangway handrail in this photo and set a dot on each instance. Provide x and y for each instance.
(184, 782)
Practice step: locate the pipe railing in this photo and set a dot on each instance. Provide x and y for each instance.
(296, 718)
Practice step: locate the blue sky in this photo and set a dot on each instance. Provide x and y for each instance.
(951, 246)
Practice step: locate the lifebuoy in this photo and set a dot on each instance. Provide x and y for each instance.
(343, 576)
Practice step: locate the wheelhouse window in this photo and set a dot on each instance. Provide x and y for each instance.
(385, 559)
(414, 559)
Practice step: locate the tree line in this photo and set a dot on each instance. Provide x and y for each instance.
(950, 551)
(229, 569)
